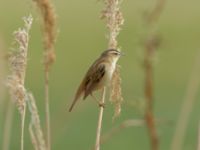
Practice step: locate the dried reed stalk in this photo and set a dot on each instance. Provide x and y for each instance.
(18, 61)
(113, 17)
(49, 35)
(114, 20)
(2, 72)
(35, 130)
(99, 125)
(187, 106)
(151, 43)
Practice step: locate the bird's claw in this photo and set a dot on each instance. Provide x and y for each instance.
(102, 105)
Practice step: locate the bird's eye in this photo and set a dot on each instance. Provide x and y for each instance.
(116, 54)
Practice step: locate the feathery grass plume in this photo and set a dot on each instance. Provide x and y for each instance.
(18, 61)
(34, 126)
(49, 30)
(114, 20)
(151, 43)
(49, 36)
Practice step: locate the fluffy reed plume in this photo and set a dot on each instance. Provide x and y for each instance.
(34, 126)
(187, 106)
(114, 20)
(49, 35)
(151, 43)
(18, 61)
(49, 31)
(113, 17)
(116, 92)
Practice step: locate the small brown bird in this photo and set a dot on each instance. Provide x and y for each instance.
(98, 76)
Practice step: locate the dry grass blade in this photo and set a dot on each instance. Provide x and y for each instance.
(18, 61)
(49, 36)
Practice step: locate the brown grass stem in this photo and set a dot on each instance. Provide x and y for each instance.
(150, 45)
(149, 117)
(47, 111)
(99, 125)
(49, 35)
(8, 125)
(187, 106)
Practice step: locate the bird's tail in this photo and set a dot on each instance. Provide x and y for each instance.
(77, 96)
(72, 105)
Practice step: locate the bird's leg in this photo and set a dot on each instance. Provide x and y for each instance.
(96, 100)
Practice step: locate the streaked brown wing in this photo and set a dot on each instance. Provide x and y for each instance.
(93, 79)
(86, 85)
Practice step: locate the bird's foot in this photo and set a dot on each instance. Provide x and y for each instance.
(102, 104)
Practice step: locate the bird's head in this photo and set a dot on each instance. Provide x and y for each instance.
(112, 53)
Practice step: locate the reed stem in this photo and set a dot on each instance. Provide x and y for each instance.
(99, 125)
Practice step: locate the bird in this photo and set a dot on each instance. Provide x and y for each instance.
(98, 75)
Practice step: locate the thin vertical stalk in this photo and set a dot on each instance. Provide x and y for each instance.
(47, 111)
(23, 116)
(187, 106)
(8, 126)
(198, 142)
(99, 125)
(149, 117)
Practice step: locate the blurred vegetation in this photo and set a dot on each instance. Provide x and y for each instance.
(81, 38)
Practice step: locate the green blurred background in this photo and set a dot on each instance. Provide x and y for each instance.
(81, 38)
